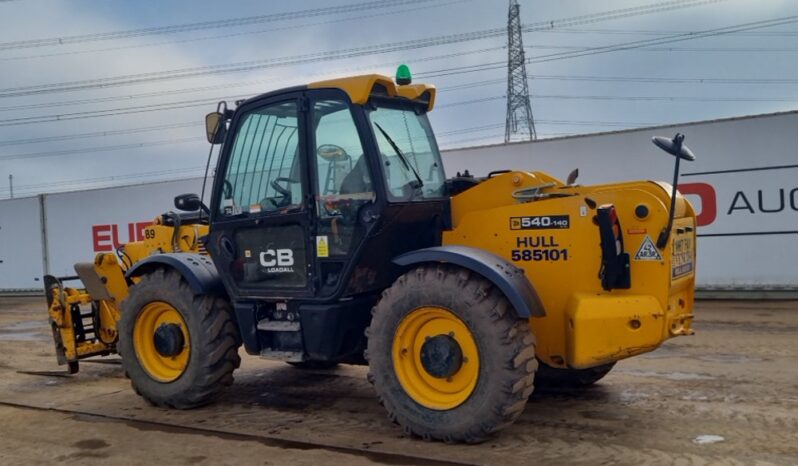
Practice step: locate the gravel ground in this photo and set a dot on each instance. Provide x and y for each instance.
(728, 395)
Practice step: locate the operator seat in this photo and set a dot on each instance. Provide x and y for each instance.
(357, 180)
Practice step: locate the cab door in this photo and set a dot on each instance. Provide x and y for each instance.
(346, 201)
(259, 237)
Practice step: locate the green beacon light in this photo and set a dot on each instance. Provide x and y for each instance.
(403, 75)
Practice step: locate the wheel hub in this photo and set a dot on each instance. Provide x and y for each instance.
(168, 339)
(435, 358)
(441, 356)
(161, 341)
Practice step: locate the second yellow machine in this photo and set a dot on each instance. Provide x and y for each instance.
(333, 236)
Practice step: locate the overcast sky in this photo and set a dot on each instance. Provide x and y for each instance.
(54, 137)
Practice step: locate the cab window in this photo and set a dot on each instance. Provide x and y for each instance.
(264, 171)
(409, 156)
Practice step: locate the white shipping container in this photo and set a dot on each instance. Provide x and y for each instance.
(20, 244)
(82, 223)
(744, 185)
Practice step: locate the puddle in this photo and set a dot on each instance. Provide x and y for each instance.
(29, 330)
(631, 396)
(91, 444)
(707, 439)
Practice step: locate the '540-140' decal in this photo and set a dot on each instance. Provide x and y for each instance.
(540, 222)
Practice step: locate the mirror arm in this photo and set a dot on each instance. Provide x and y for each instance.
(662, 240)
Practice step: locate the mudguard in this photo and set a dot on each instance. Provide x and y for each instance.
(504, 275)
(197, 269)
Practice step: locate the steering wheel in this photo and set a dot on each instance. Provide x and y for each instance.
(285, 192)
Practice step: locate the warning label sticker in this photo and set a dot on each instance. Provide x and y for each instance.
(648, 251)
(322, 246)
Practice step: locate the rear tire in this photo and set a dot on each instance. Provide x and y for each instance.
(552, 377)
(211, 339)
(482, 315)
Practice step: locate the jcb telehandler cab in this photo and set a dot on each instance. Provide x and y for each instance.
(333, 236)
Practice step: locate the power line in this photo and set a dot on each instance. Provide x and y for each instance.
(85, 150)
(643, 98)
(667, 98)
(238, 67)
(144, 95)
(678, 49)
(667, 39)
(90, 181)
(216, 24)
(664, 80)
(623, 46)
(431, 73)
(232, 34)
(194, 72)
(110, 112)
(97, 134)
(650, 32)
(205, 102)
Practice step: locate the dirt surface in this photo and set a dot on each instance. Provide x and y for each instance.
(728, 395)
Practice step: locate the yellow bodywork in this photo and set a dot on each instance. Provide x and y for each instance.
(361, 88)
(104, 287)
(585, 325)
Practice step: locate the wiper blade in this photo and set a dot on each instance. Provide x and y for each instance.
(399, 153)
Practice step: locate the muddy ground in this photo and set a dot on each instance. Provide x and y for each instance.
(728, 395)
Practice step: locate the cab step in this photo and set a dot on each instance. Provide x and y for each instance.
(279, 325)
(286, 356)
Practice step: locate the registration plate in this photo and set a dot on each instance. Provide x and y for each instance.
(683, 256)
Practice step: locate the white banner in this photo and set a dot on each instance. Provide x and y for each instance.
(80, 224)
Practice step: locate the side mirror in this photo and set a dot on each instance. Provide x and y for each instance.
(572, 177)
(188, 202)
(674, 146)
(214, 127)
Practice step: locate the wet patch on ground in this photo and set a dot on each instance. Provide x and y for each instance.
(30, 330)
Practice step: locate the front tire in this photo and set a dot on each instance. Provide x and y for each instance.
(178, 348)
(448, 357)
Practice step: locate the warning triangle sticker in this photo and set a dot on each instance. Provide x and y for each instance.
(648, 251)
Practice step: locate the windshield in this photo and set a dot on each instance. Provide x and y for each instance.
(408, 153)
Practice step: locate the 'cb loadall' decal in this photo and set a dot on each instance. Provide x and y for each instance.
(277, 260)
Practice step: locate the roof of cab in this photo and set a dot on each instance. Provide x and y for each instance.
(359, 88)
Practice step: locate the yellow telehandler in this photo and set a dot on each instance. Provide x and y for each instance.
(333, 236)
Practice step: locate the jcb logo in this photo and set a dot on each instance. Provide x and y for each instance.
(277, 258)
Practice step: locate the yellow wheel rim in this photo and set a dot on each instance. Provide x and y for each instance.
(159, 367)
(439, 393)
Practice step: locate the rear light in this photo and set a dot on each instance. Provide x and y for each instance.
(614, 272)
